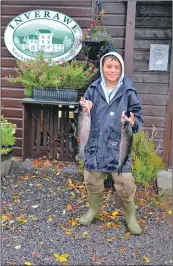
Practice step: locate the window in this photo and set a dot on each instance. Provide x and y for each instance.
(33, 47)
(42, 47)
(42, 41)
(48, 47)
(48, 37)
(48, 42)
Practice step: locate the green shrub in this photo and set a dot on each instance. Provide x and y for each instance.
(7, 135)
(146, 162)
(45, 74)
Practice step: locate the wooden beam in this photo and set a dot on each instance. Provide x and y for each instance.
(168, 124)
(129, 41)
(94, 4)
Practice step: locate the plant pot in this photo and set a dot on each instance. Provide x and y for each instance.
(94, 50)
(64, 95)
(6, 163)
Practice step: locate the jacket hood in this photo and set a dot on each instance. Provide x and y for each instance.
(122, 67)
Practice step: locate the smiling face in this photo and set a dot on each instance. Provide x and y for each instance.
(111, 71)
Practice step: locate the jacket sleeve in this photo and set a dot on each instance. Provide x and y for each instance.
(135, 106)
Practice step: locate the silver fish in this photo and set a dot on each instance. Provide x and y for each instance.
(125, 144)
(82, 133)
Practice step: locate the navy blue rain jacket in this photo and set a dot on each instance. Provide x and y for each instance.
(102, 150)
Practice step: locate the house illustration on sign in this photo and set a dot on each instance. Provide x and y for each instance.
(43, 40)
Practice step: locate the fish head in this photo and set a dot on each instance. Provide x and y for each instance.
(125, 124)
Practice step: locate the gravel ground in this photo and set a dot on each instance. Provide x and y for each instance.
(40, 211)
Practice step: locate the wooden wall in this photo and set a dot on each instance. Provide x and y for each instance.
(80, 11)
(153, 24)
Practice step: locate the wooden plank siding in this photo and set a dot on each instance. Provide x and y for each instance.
(82, 12)
(10, 93)
(153, 24)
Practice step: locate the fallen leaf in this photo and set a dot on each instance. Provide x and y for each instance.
(146, 259)
(27, 263)
(50, 218)
(122, 250)
(72, 195)
(34, 254)
(141, 203)
(38, 185)
(108, 225)
(61, 258)
(35, 206)
(162, 204)
(135, 252)
(94, 257)
(85, 234)
(169, 212)
(69, 207)
(5, 217)
(115, 213)
(158, 219)
(68, 231)
(11, 263)
(58, 173)
(110, 239)
(74, 221)
(18, 247)
(127, 234)
(22, 219)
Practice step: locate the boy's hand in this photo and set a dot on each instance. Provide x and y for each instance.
(132, 118)
(86, 104)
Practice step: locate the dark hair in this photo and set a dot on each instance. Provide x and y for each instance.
(113, 57)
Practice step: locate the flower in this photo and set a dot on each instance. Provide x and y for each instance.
(8, 139)
(96, 32)
(97, 41)
(44, 74)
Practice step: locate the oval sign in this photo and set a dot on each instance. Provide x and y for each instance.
(55, 34)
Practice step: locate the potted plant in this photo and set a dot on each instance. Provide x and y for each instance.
(45, 79)
(97, 41)
(7, 142)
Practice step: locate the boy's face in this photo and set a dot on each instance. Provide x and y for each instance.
(111, 70)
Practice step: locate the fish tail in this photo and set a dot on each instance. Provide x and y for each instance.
(119, 169)
(79, 157)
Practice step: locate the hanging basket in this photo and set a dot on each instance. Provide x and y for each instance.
(94, 50)
(64, 95)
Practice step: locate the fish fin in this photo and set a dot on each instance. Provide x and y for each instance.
(119, 170)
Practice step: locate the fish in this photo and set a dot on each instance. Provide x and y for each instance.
(126, 143)
(83, 129)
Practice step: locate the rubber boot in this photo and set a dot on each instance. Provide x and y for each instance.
(94, 209)
(130, 217)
